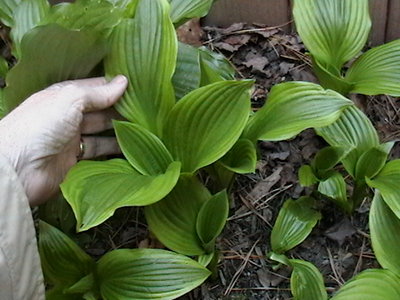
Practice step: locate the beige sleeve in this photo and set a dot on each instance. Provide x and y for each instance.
(20, 271)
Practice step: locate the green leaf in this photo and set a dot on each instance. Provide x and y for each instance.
(214, 67)
(144, 151)
(2, 104)
(334, 187)
(206, 259)
(7, 9)
(57, 293)
(307, 176)
(3, 67)
(27, 15)
(82, 286)
(211, 219)
(353, 130)
(242, 158)
(385, 234)
(377, 71)
(182, 10)
(63, 262)
(173, 219)
(187, 72)
(371, 285)
(58, 53)
(207, 122)
(295, 221)
(148, 274)
(293, 107)
(306, 281)
(370, 163)
(95, 189)
(144, 49)
(129, 6)
(85, 15)
(326, 159)
(329, 80)
(387, 182)
(334, 31)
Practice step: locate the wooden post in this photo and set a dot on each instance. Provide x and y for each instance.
(393, 24)
(379, 16)
(269, 12)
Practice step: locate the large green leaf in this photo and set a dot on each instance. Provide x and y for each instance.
(242, 158)
(353, 130)
(306, 281)
(371, 285)
(27, 15)
(63, 262)
(173, 219)
(385, 234)
(58, 53)
(182, 10)
(57, 293)
(207, 122)
(295, 221)
(144, 151)
(144, 49)
(387, 182)
(3, 67)
(214, 67)
(7, 8)
(293, 107)
(377, 71)
(334, 31)
(86, 14)
(95, 189)
(335, 188)
(148, 274)
(211, 219)
(187, 72)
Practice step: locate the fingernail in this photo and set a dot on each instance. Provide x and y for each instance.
(120, 79)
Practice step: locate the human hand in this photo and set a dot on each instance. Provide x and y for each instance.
(41, 137)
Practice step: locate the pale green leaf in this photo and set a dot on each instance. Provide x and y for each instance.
(60, 54)
(144, 151)
(384, 226)
(371, 285)
(84, 285)
(27, 15)
(206, 259)
(63, 262)
(95, 189)
(211, 219)
(187, 72)
(144, 49)
(242, 158)
(329, 80)
(129, 6)
(307, 176)
(370, 163)
(85, 15)
(207, 122)
(293, 107)
(387, 182)
(306, 282)
(353, 130)
(295, 222)
(182, 10)
(335, 188)
(377, 71)
(334, 31)
(7, 8)
(280, 258)
(173, 219)
(148, 274)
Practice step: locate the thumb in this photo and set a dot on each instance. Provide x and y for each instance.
(103, 96)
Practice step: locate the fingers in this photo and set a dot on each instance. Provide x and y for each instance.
(99, 121)
(88, 82)
(104, 95)
(99, 146)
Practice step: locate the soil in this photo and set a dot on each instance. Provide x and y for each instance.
(339, 246)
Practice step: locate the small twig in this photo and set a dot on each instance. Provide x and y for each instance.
(253, 209)
(236, 276)
(360, 259)
(337, 278)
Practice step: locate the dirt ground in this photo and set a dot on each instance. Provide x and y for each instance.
(339, 246)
